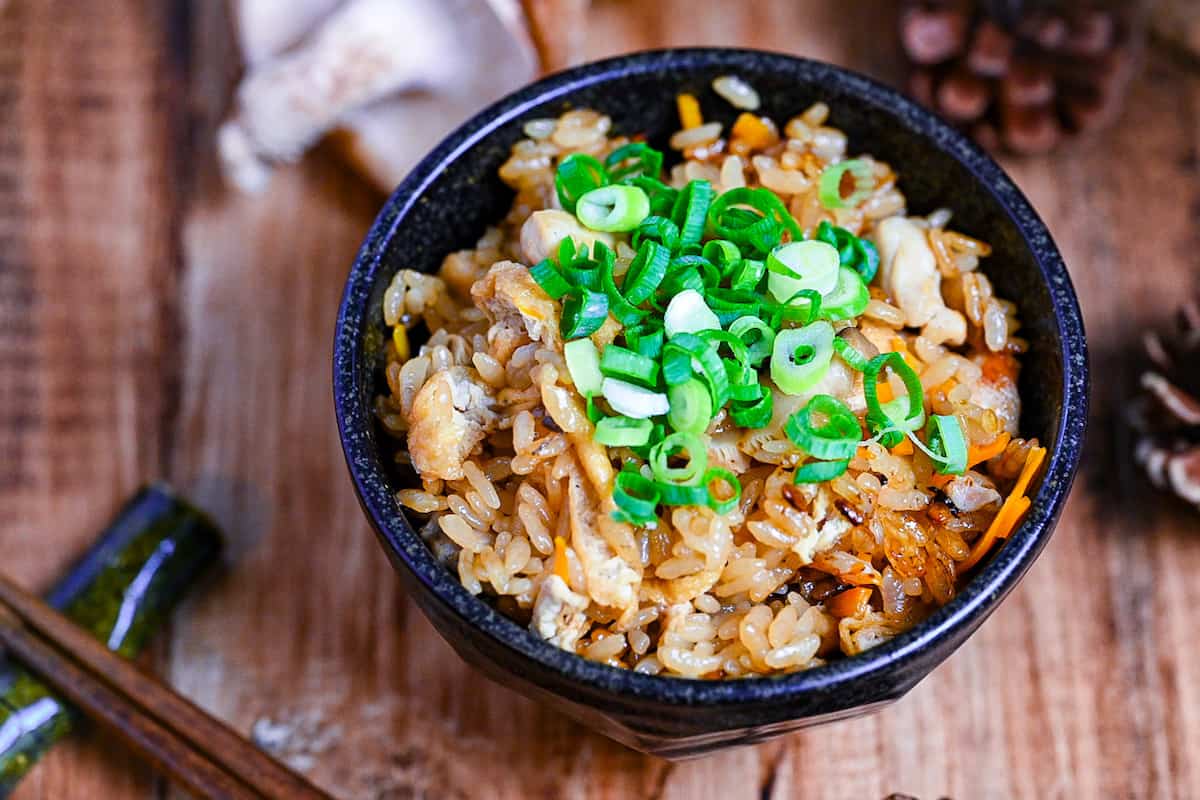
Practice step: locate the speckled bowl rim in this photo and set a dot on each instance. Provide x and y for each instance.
(982, 592)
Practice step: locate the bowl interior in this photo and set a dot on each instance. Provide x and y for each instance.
(450, 199)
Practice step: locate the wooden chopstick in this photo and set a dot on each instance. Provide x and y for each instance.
(177, 736)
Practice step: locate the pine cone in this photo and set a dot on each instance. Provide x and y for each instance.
(1167, 414)
(1022, 74)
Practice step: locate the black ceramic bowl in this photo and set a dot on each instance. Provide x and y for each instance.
(453, 194)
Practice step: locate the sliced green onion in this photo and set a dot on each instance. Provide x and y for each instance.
(676, 366)
(645, 161)
(547, 276)
(747, 275)
(708, 270)
(584, 365)
(820, 471)
(613, 208)
(731, 304)
(947, 444)
(883, 423)
(623, 431)
(583, 312)
(756, 414)
(657, 229)
(646, 272)
(662, 197)
(718, 475)
(688, 313)
(656, 436)
(836, 438)
(679, 279)
(691, 406)
(849, 353)
(645, 340)
(594, 412)
(724, 254)
(829, 189)
(617, 362)
(671, 447)
(797, 266)
(737, 349)
(578, 174)
(792, 310)
(625, 312)
(748, 228)
(690, 349)
(849, 297)
(743, 388)
(691, 211)
(854, 252)
(636, 498)
(800, 357)
(633, 401)
(674, 494)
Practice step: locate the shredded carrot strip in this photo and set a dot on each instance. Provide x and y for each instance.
(946, 386)
(899, 346)
(400, 339)
(864, 453)
(1032, 462)
(850, 603)
(562, 568)
(1000, 366)
(976, 455)
(1015, 506)
(753, 131)
(905, 448)
(883, 390)
(689, 111)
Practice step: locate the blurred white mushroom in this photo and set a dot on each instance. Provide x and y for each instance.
(392, 75)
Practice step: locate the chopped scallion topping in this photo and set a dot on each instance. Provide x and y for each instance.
(577, 174)
(799, 266)
(617, 362)
(801, 356)
(623, 431)
(834, 438)
(691, 406)
(688, 313)
(634, 401)
(882, 421)
(830, 190)
(613, 208)
(583, 312)
(584, 366)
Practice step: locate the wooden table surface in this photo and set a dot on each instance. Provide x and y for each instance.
(155, 324)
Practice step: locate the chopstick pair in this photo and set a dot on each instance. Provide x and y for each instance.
(177, 737)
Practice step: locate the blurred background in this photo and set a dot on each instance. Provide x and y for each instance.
(182, 189)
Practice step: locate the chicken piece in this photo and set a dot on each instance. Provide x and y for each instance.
(908, 270)
(611, 581)
(971, 492)
(544, 230)
(519, 309)
(909, 274)
(558, 614)
(451, 415)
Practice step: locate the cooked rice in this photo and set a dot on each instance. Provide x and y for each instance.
(699, 595)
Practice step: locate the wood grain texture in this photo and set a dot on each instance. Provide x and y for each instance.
(1086, 683)
(88, 226)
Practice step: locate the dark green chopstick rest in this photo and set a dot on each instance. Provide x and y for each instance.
(121, 591)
